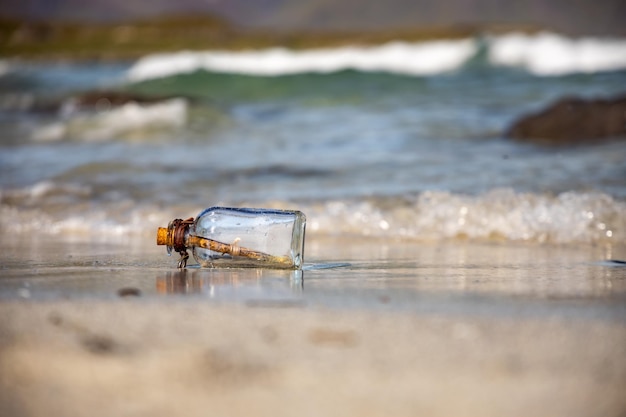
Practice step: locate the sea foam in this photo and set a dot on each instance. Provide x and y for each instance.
(550, 54)
(542, 54)
(501, 215)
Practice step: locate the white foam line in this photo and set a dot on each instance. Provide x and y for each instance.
(551, 54)
(395, 57)
(541, 54)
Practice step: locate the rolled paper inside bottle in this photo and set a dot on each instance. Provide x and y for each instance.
(164, 237)
(237, 250)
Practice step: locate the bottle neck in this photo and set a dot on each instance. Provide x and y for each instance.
(175, 235)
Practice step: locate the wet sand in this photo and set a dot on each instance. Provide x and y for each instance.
(370, 328)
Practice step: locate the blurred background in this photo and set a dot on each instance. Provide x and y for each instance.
(580, 17)
(404, 119)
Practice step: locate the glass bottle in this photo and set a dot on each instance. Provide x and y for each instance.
(222, 237)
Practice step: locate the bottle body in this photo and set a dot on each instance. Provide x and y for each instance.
(253, 238)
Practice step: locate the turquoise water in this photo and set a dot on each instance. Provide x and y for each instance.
(364, 147)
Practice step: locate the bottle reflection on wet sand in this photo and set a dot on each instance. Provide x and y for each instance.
(207, 280)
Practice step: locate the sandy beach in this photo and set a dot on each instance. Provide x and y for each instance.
(461, 169)
(373, 328)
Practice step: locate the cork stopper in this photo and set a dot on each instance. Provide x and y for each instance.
(173, 236)
(163, 237)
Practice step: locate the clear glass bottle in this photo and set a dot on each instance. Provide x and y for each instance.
(222, 237)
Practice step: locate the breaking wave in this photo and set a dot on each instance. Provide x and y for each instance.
(501, 214)
(542, 54)
(395, 57)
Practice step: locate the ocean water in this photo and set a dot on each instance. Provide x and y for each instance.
(398, 141)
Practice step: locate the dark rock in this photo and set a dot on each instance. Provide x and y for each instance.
(573, 121)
